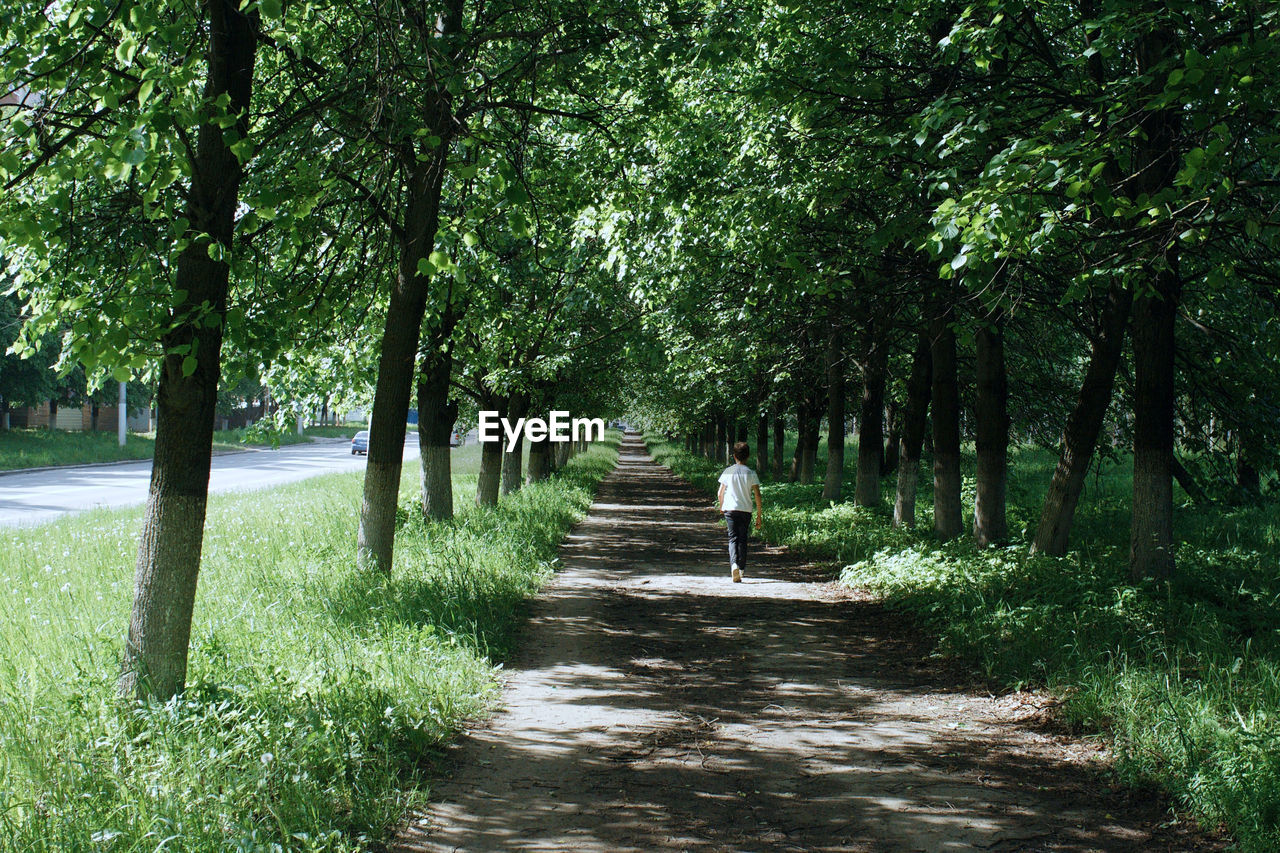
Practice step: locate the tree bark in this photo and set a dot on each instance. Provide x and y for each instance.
(513, 460)
(1189, 485)
(870, 422)
(721, 439)
(539, 467)
(1154, 313)
(762, 442)
(779, 440)
(915, 420)
(990, 520)
(539, 464)
(802, 431)
(813, 429)
(489, 480)
(1151, 540)
(893, 437)
(1080, 436)
(168, 567)
(375, 542)
(436, 417)
(1248, 478)
(834, 480)
(948, 519)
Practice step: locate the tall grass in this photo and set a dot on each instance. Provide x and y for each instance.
(317, 693)
(1184, 678)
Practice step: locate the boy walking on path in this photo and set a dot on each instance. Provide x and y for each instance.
(738, 485)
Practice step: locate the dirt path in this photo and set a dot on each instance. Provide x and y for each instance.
(655, 706)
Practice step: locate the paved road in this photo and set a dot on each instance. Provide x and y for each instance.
(33, 498)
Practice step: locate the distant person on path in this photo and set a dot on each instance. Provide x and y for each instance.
(738, 486)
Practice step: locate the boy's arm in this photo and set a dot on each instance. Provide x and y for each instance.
(720, 499)
(755, 490)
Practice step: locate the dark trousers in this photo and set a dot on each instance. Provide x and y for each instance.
(739, 524)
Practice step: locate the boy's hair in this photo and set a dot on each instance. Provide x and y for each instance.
(741, 451)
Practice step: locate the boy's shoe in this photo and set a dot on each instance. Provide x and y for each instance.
(735, 573)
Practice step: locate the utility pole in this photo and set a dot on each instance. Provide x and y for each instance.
(122, 414)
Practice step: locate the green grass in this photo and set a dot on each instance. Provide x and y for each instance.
(317, 693)
(1184, 679)
(37, 448)
(345, 431)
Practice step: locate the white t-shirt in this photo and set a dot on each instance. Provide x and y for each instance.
(737, 481)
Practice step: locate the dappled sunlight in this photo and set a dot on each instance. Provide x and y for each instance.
(655, 705)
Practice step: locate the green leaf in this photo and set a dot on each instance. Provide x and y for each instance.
(188, 365)
(271, 8)
(126, 50)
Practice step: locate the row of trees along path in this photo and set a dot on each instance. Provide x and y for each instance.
(654, 705)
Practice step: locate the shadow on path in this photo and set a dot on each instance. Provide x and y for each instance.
(655, 706)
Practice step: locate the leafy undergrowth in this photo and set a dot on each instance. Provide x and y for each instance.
(1184, 678)
(317, 692)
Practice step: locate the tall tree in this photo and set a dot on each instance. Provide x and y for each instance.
(422, 160)
(991, 416)
(871, 417)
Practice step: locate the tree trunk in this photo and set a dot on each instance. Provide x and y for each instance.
(155, 654)
(834, 479)
(1080, 436)
(721, 439)
(813, 428)
(948, 519)
(913, 432)
(1248, 478)
(513, 460)
(990, 522)
(375, 542)
(893, 437)
(779, 440)
(870, 423)
(1151, 542)
(489, 480)
(436, 417)
(1154, 313)
(539, 467)
(1189, 485)
(762, 443)
(802, 431)
(562, 454)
